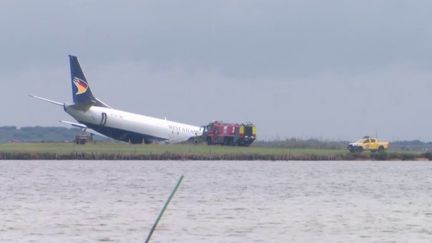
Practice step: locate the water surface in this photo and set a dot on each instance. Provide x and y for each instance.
(231, 201)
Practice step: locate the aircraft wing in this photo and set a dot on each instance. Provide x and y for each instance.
(82, 126)
(75, 124)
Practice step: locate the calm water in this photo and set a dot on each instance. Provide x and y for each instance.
(117, 201)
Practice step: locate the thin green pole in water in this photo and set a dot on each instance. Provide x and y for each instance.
(163, 209)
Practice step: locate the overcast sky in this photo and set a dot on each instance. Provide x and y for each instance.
(297, 68)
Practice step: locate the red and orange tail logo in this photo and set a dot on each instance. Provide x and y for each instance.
(81, 85)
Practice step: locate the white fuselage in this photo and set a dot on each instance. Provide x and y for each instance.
(120, 124)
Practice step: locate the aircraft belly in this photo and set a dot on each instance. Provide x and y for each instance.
(140, 127)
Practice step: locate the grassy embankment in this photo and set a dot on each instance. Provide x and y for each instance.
(113, 151)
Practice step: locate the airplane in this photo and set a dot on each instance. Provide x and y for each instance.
(92, 113)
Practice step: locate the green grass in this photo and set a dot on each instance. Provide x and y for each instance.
(186, 151)
(67, 148)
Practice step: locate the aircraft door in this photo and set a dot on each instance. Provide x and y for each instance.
(103, 119)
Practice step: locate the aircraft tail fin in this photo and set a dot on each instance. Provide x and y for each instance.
(81, 91)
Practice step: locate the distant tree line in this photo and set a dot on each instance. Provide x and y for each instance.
(415, 145)
(39, 134)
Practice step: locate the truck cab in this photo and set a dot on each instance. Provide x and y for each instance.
(368, 144)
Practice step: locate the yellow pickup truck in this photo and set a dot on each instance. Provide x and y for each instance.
(368, 144)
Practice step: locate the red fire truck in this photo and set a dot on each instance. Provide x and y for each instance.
(232, 134)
